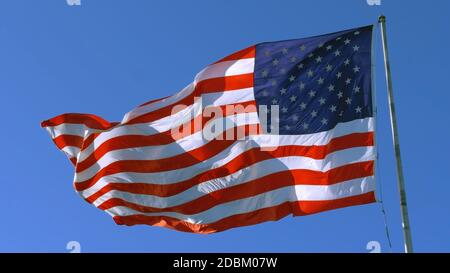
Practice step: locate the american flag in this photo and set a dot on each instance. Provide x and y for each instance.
(142, 170)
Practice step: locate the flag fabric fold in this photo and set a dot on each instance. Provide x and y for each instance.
(276, 129)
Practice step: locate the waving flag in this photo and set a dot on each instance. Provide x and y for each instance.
(304, 112)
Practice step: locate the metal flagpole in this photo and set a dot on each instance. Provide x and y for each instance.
(400, 180)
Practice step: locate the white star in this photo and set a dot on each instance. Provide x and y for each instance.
(265, 93)
(265, 73)
(319, 59)
(295, 117)
(348, 101)
(293, 59)
(331, 87)
(320, 45)
(275, 62)
(358, 109)
(283, 91)
(356, 69)
(347, 62)
(311, 55)
(310, 73)
(320, 80)
(324, 121)
(274, 82)
(284, 110)
(347, 41)
(312, 93)
(274, 101)
(355, 48)
(283, 70)
(303, 106)
(287, 127)
(300, 66)
(340, 94)
(303, 48)
(314, 114)
(293, 98)
(348, 81)
(333, 108)
(329, 47)
(339, 75)
(356, 89)
(338, 38)
(337, 53)
(267, 53)
(329, 68)
(291, 78)
(301, 86)
(305, 126)
(356, 32)
(322, 101)
(284, 50)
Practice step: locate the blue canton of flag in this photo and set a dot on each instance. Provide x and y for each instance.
(317, 82)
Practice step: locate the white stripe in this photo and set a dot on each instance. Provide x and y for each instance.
(333, 160)
(228, 97)
(71, 151)
(172, 121)
(68, 129)
(244, 175)
(222, 69)
(273, 198)
(226, 68)
(159, 104)
(164, 151)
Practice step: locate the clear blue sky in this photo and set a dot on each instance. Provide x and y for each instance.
(105, 57)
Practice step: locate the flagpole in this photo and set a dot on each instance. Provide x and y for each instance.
(400, 179)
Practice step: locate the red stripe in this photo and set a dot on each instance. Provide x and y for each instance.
(91, 121)
(152, 101)
(88, 141)
(249, 52)
(227, 83)
(185, 159)
(73, 160)
(255, 187)
(163, 138)
(68, 140)
(298, 208)
(222, 84)
(245, 159)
